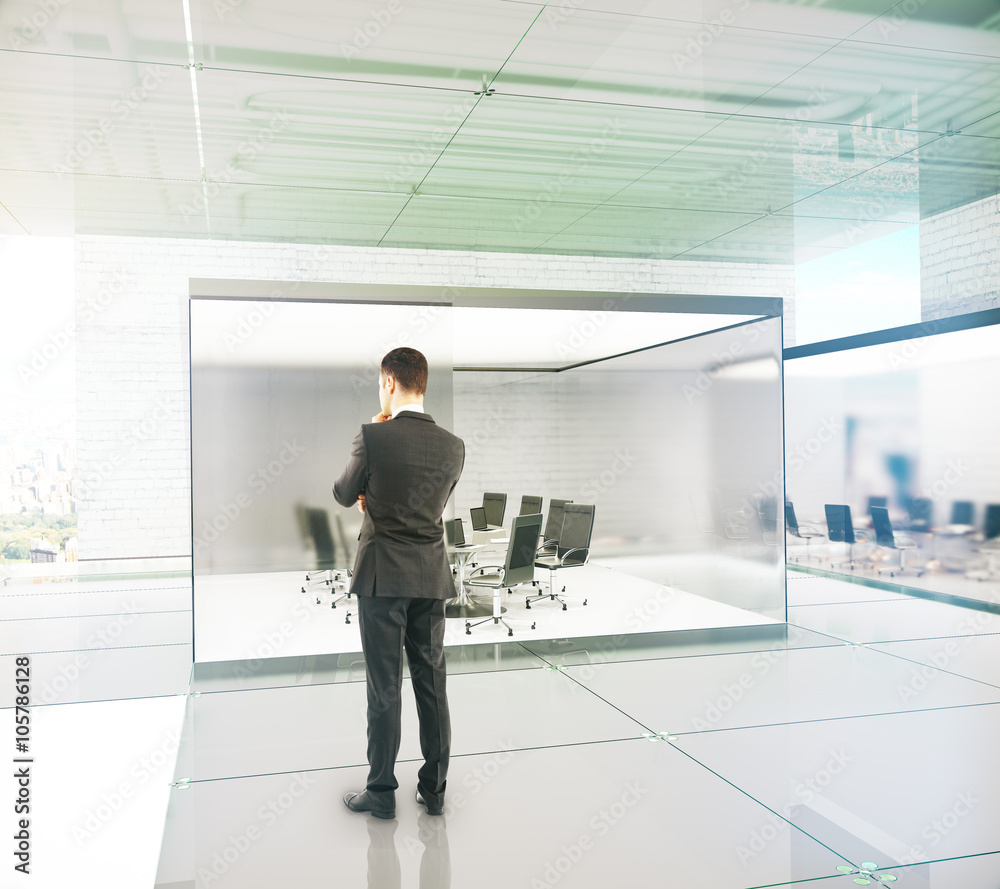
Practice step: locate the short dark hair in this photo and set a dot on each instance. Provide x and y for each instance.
(408, 368)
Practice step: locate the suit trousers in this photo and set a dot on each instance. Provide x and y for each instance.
(388, 625)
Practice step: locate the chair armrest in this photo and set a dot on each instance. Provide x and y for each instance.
(578, 549)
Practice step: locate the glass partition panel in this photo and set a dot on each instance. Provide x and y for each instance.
(278, 392)
(904, 427)
(678, 447)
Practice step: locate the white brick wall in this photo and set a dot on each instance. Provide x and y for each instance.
(959, 255)
(133, 367)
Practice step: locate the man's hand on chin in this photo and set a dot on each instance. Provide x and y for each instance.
(381, 418)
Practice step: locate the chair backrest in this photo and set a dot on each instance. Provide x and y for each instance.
(577, 526)
(519, 566)
(318, 524)
(991, 524)
(554, 522)
(962, 512)
(791, 523)
(495, 505)
(883, 527)
(530, 505)
(839, 527)
(921, 513)
(877, 501)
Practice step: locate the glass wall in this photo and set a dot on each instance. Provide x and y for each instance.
(904, 426)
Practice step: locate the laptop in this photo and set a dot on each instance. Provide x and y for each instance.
(478, 518)
(457, 533)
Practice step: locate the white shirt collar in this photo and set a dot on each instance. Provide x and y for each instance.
(416, 408)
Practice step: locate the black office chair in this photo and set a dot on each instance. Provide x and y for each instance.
(963, 513)
(572, 551)
(991, 523)
(530, 505)
(921, 515)
(840, 529)
(802, 532)
(887, 538)
(316, 523)
(553, 523)
(518, 568)
(495, 506)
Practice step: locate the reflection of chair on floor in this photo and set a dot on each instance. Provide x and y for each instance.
(572, 551)
(885, 537)
(316, 523)
(840, 529)
(801, 532)
(518, 568)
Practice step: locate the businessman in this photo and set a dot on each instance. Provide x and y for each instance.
(402, 470)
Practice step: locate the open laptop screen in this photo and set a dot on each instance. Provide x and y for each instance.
(478, 518)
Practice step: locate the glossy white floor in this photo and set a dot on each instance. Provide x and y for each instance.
(863, 734)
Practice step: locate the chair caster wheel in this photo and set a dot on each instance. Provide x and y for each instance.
(527, 605)
(584, 601)
(333, 604)
(317, 600)
(564, 606)
(347, 619)
(532, 625)
(468, 632)
(563, 590)
(510, 632)
(303, 589)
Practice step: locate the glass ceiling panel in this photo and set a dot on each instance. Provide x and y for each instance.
(447, 44)
(629, 60)
(836, 19)
(890, 86)
(151, 31)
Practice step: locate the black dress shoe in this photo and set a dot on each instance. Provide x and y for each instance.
(363, 802)
(432, 808)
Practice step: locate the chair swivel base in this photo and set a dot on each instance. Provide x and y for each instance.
(555, 597)
(496, 620)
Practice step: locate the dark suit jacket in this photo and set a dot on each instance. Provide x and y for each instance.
(407, 468)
